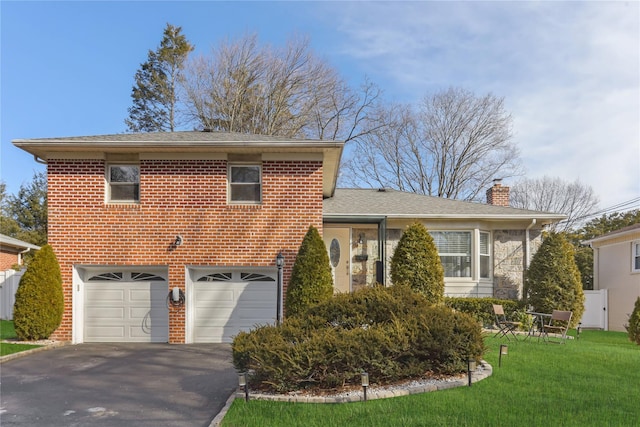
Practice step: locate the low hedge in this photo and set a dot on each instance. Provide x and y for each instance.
(481, 309)
(391, 333)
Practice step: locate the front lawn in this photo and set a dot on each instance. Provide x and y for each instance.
(592, 381)
(7, 332)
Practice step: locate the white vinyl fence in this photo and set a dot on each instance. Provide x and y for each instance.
(595, 310)
(9, 281)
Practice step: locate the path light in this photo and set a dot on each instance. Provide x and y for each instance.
(279, 264)
(242, 382)
(503, 350)
(471, 366)
(364, 379)
(578, 330)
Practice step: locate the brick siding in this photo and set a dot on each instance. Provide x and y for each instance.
(178, 197)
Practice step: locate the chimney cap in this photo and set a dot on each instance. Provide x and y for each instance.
(497, 181)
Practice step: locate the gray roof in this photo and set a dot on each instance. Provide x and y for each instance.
(190, 142)
(15, 243)
(399, 204)
(630, 229)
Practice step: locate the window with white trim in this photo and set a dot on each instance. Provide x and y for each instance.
(454, 248)
(635, 256)
(124, 183)
(245, 184)
(485, 255)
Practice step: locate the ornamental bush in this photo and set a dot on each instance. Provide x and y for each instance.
(633, 329)
(39, 299)
(416, 263)
(311, 280)
(552, 281)
(391, 333)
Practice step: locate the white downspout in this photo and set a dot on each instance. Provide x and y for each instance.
(527, 245)
(20, 256)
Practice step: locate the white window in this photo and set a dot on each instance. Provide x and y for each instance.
(124, 183)
(454, 248)
(635, 256)
(485, 255)
(245, 184)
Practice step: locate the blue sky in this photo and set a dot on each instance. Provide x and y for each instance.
(569, 71)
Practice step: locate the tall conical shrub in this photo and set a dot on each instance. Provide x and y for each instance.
(39, 299)
(311, 279)
(416, 263)
(552, 281)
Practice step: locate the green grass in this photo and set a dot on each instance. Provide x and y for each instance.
(592, 381)
(7, 332)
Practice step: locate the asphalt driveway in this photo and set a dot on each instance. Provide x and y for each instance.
(117, 385)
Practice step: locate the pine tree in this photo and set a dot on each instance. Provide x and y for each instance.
(39, 299)
(552, 281)
(155, 93)
(416, 263)
(311, 279)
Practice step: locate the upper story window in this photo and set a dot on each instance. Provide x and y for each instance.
(635, 256)
(485, 255)
(454, 248)
(124, 183)
(245, 184)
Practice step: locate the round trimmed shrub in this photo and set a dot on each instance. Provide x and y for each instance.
(553, 281)
(311, 280)
(416, 263)
(39, 299)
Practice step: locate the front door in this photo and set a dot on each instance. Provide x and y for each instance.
(337, 241)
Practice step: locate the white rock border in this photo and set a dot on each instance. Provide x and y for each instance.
(484, 370)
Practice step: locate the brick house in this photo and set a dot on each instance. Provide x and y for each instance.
(140, 220)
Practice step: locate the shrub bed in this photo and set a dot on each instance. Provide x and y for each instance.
(391, 333)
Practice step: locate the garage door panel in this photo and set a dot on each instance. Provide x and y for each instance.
(222, 309)
(126, 312)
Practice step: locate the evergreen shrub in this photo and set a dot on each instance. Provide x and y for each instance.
(391, 333)
(633, 329)
(416, 263)
(552, 281)
(311, 280)
(39, 299)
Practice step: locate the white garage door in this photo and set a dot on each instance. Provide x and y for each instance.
(227, 302)
(126, 307)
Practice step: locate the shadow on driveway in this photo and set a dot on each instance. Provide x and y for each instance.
(117, 385)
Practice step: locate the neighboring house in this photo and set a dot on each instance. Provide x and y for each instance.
(138, 219)
(616, 268)
(12, 251)
(11, 255)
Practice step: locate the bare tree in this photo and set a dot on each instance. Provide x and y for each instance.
(452, 146)
(574, 199)
(243, 87)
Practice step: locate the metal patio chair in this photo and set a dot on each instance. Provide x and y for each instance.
(506, 327)
(558, 326)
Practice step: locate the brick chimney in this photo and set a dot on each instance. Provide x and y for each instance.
(498, 195)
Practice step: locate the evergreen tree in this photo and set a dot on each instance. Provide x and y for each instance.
(39, 299)
(155, 93)
(552, 281)
(416, 263)
(633, 329)
(311, 279)
(24, 216)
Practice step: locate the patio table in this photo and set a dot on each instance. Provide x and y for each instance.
(537, 325)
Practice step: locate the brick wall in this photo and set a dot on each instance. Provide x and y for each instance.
(185, 197)
(7, 260)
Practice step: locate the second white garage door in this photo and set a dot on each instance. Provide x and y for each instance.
(227, 302)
